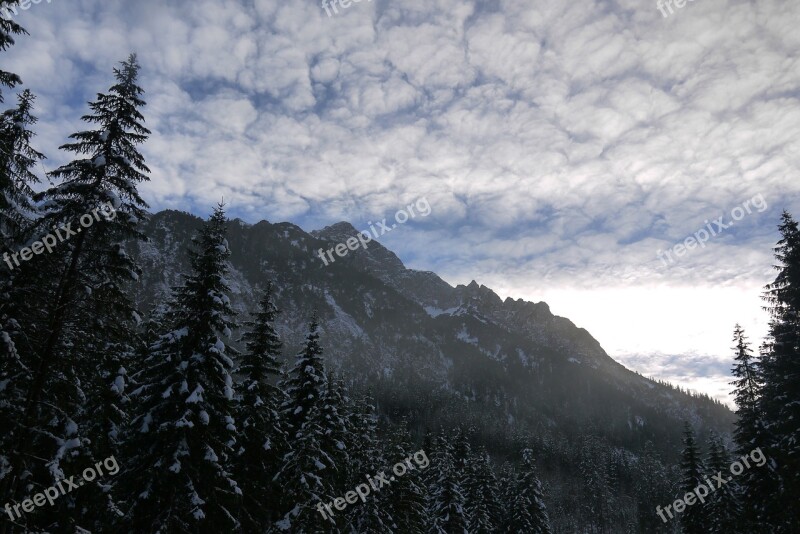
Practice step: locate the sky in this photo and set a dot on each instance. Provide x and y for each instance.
(565, 148)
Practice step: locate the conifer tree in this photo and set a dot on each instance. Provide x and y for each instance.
(597, 494)
(263, 439)
(448, 513)
(77, 314)
(482, 493)
(374, 515)
(780, 400)
(722, 506)
(336, 434)
(654, 490)
(8, 29)
(17, 159)
(747, 391)
(693, 517)
(506, 487)
(750, 430)
(408, 495)
(184, 436)
(305, 468)
(528, 512)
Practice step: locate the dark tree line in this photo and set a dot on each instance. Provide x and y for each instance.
(210, 438)
(763, 498)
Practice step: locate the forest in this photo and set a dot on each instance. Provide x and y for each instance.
(213, 430)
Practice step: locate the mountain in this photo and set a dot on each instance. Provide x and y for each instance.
(441, 354)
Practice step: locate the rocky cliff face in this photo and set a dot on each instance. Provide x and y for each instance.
(424, 345)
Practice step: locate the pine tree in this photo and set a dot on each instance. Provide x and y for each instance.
(184, 436)
(76, 312)
(305, 386)
(374, 515)
(408, 491)
(334, 413)
(305, 468)
(781, 389)
(750, 432)
(506, 482)
(693, 518)
(722, 506)
(654, 489)
(747, 391)
(17, 161)
(8, 29)
(448, 513)
(482, 493)
(528, 512)
(17, 158)
(597, 494)
(264, 441)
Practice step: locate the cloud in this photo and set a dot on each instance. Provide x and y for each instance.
(561, 145)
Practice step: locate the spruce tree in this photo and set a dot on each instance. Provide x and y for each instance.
(693, 517)
(184, 436)
(722, 509)
(304, 470)
(482, 493)
(654, 489)
(264, 440)
(747, 392)
(780, 400)
(336, 432)
(408, 491)
(528, 511)
(8, 29)
(596, 484)
(76, 314)
(17, 160)
(374, 515)
(448, 513)
(749, 432)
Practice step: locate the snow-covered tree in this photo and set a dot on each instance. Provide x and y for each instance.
(722, 509)
(17, 162)
(482, 494)
(693, 518)
(263, 440)
(8, 29)
(184, 437)
(528, 511)
(17, 159)
(368, 459)
(448, 513)
(304, 469)
(779, 485)
(408, 493)
(76, 311)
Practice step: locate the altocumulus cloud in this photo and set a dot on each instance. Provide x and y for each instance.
(560, 143)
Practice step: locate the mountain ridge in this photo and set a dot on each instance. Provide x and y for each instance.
(398, 330)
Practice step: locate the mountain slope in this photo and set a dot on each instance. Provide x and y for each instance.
(446, 355)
